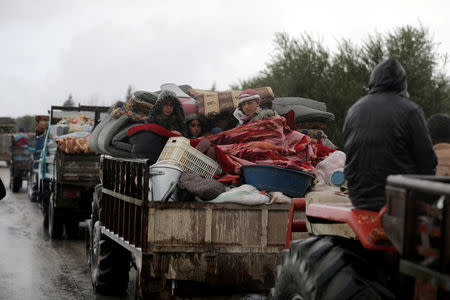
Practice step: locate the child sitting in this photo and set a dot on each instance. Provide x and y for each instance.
(195, 126)
(166, 119)
(249, 108)
(168, 112)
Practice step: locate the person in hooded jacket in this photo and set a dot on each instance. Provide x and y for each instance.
(384, 134)
(166, 120)
(168, 112)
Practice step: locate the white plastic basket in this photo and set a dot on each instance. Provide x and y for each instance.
(179, 152)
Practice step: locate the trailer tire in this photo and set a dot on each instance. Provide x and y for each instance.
(72, 229)
(330, 267)
(32, 189)
(55, 225)
(109, 264)
(45, 219)
(16, 183)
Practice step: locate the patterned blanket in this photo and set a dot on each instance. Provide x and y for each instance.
(266, 142)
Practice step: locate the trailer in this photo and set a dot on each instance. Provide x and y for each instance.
(20, 166)
(7, 129)
(67, 180)
(180, 249)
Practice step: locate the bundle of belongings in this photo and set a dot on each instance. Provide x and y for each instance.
(211, 102)
(111, 134)
(311, 116)
(72, 134)
(140, 128)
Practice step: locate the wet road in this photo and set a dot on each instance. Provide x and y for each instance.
(31, 265)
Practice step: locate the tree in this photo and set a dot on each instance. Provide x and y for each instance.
(303, 67)
(69, 101)
(129, 92)
(213, 87)
(26, 122)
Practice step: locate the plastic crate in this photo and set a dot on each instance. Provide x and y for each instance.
(178, 151)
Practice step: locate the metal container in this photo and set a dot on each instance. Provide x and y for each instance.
(163, 178)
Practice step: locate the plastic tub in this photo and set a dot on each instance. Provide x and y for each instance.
(290, 182)
(162, 178)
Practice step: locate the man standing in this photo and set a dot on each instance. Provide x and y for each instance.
(384, 134)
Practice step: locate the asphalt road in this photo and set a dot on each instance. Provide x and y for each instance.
(31, 265)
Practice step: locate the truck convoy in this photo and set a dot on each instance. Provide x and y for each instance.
(135, 217)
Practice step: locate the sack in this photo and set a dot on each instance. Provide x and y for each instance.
(210, 102)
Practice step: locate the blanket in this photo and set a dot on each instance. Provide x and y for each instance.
(106, 136)
(265, 142)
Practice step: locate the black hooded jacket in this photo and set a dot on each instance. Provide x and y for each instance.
(384, 134)
(176, 120)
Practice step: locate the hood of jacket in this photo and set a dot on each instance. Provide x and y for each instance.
(388, 77)
(163, 98)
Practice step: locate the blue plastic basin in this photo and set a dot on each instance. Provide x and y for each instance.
(290, 182)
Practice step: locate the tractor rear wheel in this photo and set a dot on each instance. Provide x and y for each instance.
(331, 267)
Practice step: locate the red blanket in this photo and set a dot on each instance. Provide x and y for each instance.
(265, 142)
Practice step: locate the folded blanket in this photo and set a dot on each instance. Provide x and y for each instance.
(306, 110)
(289, 101)
(93, 140)
(204, 188)
(121, 139)
(106, 135)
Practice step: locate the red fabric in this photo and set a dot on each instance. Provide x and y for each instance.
(21, 142)
(265, 142)
(290, 119)
(229, 179)
(153, 128)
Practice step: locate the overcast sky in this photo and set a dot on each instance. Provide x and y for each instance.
(95, 49)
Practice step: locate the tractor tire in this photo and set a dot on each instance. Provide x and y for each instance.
(16, 183)
(330, 267)
(109, 264)
(55, 224)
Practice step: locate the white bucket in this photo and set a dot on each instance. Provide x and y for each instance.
(162, 177)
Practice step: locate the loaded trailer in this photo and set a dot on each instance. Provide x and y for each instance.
(67, 180)
(180, 249)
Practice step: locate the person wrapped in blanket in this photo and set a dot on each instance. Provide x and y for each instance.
(249, 109)
(166, 119)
